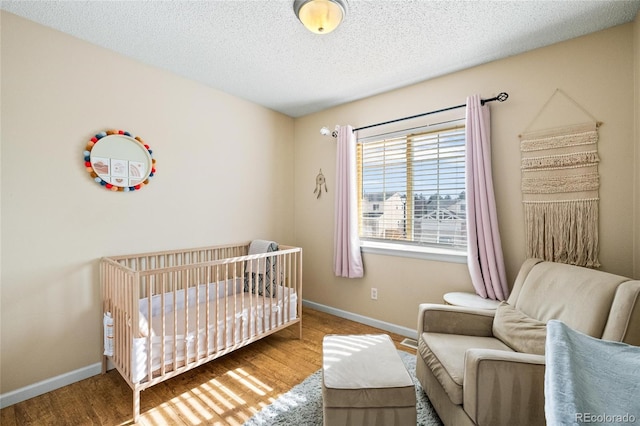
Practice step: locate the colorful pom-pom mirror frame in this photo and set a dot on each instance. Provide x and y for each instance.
(119, 161)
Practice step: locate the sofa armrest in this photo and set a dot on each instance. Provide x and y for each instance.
(503, 388)
(448, 319)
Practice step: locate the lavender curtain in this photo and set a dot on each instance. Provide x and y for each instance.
(347, 260)
(485, 260)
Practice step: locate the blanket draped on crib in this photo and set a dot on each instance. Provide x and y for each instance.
(260, 274)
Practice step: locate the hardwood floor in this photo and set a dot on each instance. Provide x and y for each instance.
(226, 391)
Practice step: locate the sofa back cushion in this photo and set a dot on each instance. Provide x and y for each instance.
(579, 297)
(518, 331)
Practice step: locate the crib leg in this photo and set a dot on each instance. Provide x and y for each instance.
(136, 405)
(104, 363)
(300, 329)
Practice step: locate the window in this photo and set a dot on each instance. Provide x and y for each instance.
(412, 189)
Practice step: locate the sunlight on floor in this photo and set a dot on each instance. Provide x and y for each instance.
(192, 408)
(242, 377)
(162, 415)
(216, 402)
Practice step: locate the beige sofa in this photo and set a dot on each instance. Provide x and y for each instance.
(482, 367)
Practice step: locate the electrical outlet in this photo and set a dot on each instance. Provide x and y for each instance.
(374, 294)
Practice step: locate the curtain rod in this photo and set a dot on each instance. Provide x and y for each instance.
(502, 96)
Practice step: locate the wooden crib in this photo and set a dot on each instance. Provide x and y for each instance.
(168, 312)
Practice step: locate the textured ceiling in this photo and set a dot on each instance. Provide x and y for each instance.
(259, 51)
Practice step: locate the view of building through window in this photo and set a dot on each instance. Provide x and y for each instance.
(412, 188)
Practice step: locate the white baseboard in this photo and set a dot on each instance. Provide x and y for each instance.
(48, 385)
(36, 389)
(392, 328)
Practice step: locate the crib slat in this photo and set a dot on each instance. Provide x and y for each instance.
(163, 324)
(174, 346)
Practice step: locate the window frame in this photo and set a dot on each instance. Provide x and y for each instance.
(399, 248)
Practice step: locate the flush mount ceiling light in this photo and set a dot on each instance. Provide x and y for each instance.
(320, 16)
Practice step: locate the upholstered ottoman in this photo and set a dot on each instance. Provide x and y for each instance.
(364, 382)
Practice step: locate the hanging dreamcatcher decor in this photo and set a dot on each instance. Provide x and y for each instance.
(560, 192)
(320, 182)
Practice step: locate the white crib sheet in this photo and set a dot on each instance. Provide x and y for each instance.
(243, 316)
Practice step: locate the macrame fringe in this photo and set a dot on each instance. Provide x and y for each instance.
(563, 231)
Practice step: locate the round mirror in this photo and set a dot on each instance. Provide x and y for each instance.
(119, 161)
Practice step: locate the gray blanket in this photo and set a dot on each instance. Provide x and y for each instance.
(260, 274)
(588, 380)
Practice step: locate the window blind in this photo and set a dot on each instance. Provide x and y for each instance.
(412, 188)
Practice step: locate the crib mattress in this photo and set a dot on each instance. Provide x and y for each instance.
(221, 321)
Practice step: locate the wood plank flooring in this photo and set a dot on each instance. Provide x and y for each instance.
(226, 391)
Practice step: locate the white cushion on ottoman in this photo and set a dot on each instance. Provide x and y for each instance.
(364, 382)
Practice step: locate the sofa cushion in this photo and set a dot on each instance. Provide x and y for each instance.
(579, 297)
(444, 355)
(519, 331)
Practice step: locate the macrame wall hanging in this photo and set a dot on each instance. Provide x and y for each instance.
(560, 191)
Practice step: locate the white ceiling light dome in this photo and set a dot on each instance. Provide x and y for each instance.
(320, 16)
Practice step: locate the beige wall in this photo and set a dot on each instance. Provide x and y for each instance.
(225, 173)
(597, 71)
